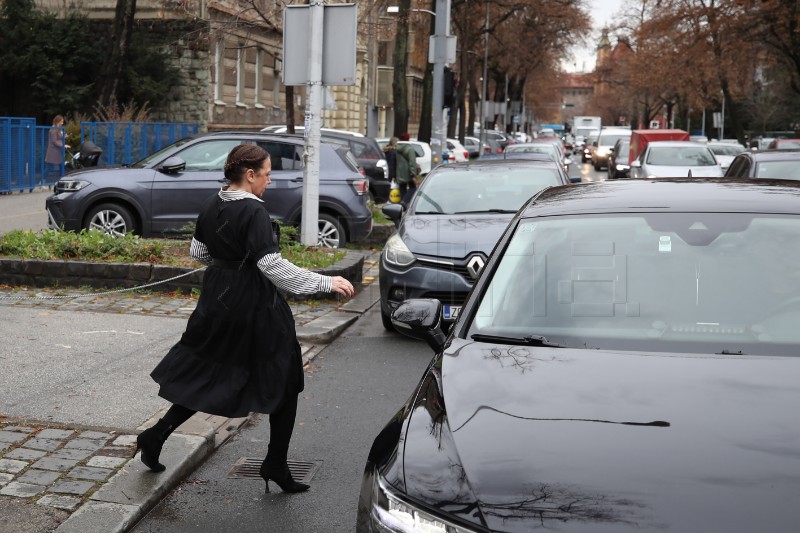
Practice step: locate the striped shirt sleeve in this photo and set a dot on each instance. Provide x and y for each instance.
(199, 252)
(291, 278)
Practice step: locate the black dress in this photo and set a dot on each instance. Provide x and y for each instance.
(239, 353)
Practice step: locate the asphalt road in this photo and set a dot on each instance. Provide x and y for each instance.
(23, 210)
(352, 388)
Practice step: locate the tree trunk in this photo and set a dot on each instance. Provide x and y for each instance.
(114, 68)
(399, 85)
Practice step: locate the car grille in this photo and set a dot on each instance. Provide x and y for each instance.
(461, 270)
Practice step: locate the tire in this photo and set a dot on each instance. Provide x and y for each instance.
(597, 167)
(331, 232)
(111, 219)
(387, 322)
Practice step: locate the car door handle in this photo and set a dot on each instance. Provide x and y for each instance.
(298, 180)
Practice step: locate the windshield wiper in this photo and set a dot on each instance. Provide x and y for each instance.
(428, 213)
(485, 211)
(528, 340)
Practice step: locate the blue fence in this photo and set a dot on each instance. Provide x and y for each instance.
(124, 143)
(23, 147)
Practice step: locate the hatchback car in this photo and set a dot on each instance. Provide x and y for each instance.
(770, 164)
(618, 166)
(627, 361)
(725, 152)
(450, 227)
(601, 148)
(783, 144)
(541, 147)
(162, 194)
(674, 159)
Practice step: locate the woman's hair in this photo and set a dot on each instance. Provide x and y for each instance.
(241, 158)
(57, 119)
(393, 141)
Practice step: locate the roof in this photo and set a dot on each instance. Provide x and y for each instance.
(719, 195)
(773, 155)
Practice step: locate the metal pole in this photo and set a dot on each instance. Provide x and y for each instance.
(485, 74)
(703, 129)
(372, 111)
(309, 229)
(722, 120)
(439, 44)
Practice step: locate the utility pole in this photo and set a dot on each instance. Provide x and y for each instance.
(485, 74)
(439, 57)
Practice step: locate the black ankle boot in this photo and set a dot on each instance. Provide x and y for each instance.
(150, 441)
(280, 474)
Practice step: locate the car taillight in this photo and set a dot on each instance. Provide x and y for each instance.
(361, 187)
(466, 155)
(362, 171)
(500, 150)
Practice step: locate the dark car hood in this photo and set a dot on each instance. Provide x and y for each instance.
(453, 236)
(588, 440)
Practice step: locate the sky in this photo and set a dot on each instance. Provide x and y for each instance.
(601, 12)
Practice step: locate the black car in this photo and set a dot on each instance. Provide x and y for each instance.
(451, 226)
(627, 361)
(162, 194)
(618, 166)
(770, 164)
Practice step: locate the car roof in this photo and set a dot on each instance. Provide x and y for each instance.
(788, 154)
(714, 195)
(691, 144)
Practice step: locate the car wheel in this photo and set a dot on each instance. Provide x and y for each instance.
(111, 219)
(597, 167)
(331, 232)
(387, 322)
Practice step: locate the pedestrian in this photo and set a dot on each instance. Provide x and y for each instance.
(54, 156)
(239, 353)
(390, 153)
(406, 170)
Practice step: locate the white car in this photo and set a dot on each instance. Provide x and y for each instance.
(674, 159)
(457, 151)
(725, 152)
(422, 149)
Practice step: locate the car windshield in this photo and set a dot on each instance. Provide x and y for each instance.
(680, 156)
(624, 150)
(501, 189)
(732, 150)
(783, 170)
(547, 149)
(609, 139)
(792, 143)
(158, 155)
(685, 282)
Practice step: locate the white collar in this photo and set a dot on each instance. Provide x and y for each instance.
(229, 195)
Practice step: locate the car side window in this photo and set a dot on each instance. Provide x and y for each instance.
(208, 155)
(736, 168)
(284, 156)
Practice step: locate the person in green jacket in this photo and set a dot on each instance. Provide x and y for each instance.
(406, 170)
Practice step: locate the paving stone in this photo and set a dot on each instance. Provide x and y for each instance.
(125, 440)
(68, 503)
(94, 435)
(25, 454)
(55, 463)
(102, 461)
(84, 444)
(88, 472)
(21, 490)
(5, 478)
(12, 437)
(54, 434)
(11, 466)
(72, 487)
(39, 477)
(43, 444)
(74, 453)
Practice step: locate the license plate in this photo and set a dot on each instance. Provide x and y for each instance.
(450, 312)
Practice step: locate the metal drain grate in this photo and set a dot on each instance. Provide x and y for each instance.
(247, 468)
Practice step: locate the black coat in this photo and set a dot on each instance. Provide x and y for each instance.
(239, 352)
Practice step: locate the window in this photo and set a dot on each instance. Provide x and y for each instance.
(283, 156)
(218, 72)
(240, 66)
(207, 156)
(259, 77)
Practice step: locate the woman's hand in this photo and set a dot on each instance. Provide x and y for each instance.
(343, 287)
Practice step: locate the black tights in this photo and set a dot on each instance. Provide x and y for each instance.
(281, 425)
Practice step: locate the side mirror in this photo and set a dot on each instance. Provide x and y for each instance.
(575, 179)
(393, 212)
(421, 318)
(172, 165)
(567, 161)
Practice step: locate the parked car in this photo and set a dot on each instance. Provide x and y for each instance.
(473, 146)
(725, 152)
(457, 151)
(627, 361)
(602, 146)
(162, 194)
(782, 144)
(618, 166)
(445, 236)
(542, 147)
(769, 164)
(673, 159)
(501, 138)
(491, 149)
(422, 149)
(366, 151)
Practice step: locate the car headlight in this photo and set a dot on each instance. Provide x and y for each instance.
(602, 151)
(70, 185)
(390, 514)
(397, 253)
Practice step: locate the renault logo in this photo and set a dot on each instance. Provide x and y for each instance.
(474, 266)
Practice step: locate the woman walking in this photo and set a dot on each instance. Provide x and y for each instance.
(239, 353)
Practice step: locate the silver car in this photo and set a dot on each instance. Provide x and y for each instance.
(673, 159)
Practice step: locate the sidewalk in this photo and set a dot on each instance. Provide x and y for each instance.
(85, 476)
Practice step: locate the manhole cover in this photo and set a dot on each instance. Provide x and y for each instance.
(247, 468)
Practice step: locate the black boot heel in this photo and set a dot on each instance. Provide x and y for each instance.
(282, 477)
(150, 442)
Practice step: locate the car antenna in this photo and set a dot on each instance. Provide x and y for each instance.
(690, 173)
